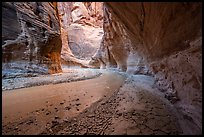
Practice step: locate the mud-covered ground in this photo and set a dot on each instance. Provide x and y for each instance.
(31, 110)
(113, 103)
(133, 110)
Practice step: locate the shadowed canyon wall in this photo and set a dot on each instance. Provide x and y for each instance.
(159, 39)
(31, 39)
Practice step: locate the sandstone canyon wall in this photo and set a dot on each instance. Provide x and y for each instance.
(116, 49)
(65, 19)
(81, 31)
(87, 13)
(35, 35)
(31, 39)
(159, 39)
(85, 32)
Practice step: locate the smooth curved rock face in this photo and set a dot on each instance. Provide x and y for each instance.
(116, 49)
(84, 40)
(85, 32)
(81, 31)
(161, 28)
(163, 40)
(31, 36)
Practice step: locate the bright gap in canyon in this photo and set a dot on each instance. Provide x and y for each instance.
(101, 68)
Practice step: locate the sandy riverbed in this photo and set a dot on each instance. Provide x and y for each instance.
(30, 110)
(113, 103)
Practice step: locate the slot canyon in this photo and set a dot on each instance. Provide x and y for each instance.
(101, 68)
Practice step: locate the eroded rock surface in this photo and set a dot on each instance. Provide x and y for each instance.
(33, 38)
(85, 31)
(81, 31)
(162, 40)
(116, 49)
(89, 13)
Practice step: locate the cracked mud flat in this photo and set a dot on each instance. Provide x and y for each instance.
(95, 106)
(133, 110)
(31, 110)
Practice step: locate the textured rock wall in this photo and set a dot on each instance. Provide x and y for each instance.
(161, 28)
(64, 10)
(88, 13)
(165, 42)
(9, 32)
(80, 31)
(179, 76)
(32, 38)
(116, 49)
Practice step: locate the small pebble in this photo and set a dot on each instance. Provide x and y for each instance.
(67, 108)
(56, 117)
(78, 104)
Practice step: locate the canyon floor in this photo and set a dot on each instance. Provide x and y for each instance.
(101, 102)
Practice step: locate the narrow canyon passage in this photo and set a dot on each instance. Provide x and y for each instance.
(101, 68)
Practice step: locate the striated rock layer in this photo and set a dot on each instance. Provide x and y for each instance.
(31, 36)
(162, 40)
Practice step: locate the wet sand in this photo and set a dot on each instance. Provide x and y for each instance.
(31, 110)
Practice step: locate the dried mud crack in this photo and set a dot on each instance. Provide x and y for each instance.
(132, 107)
(148, 115)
